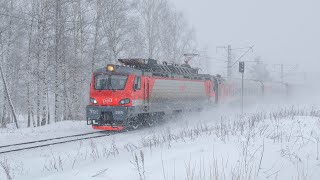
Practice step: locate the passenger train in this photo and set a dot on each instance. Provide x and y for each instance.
(140, 91)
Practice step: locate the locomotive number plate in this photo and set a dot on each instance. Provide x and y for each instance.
(108, 100)
(119, 112)
(94, 111)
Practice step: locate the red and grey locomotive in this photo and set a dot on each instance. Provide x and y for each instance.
(130, 94)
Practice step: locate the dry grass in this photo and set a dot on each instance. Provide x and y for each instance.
(139, 163)
(7, 169)
(248, 128)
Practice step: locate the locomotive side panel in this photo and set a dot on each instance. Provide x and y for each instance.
(172, 90)
(170, 94)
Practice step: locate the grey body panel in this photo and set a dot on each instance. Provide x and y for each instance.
(172, 95)
(119, 113)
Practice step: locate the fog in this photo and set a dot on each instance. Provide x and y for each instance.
(285, 31)
(185, 127)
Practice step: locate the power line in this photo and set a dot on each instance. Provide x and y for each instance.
(250, 48)
(229, 50)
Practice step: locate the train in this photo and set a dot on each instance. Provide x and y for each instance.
(141, 91)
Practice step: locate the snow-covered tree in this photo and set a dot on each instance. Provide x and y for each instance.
(49, 48)
(259, 71)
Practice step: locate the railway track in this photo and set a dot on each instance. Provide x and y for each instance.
(51, 141)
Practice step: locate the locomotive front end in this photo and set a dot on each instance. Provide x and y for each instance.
(110, 98)
(107, 118)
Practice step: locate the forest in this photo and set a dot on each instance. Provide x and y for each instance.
(49, 48)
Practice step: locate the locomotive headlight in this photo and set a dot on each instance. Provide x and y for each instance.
(124, 101)
(93, 101)
(110, 67)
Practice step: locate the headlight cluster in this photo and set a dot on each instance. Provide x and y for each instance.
(124, 101)
(93, 101)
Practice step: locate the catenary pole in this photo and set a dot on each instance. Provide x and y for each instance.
(229, 68)
(242, 93)
(230, 63)
(282, 75)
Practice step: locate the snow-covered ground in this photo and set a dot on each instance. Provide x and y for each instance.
(268, 142)
(11, 135)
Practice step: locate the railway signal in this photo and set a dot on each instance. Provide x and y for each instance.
(241, 67)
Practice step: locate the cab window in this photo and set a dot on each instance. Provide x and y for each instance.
(137, 83)
(110, 82)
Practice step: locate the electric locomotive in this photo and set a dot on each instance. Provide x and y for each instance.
(140, 91)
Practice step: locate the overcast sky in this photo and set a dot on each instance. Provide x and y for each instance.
(282, 31)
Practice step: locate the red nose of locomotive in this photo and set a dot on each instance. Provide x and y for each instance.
(110, 98)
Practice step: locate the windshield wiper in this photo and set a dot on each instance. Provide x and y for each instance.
(110, 84)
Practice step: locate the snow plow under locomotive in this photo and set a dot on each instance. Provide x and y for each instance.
(140, 91)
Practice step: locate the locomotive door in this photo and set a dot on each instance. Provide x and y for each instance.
(216, 87)
(146, 102)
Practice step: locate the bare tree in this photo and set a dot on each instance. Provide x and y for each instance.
(8, 96)
(176, 38)
(96, 40)
(150, 11)
(259, 71)
(29, 69)
(115, 27)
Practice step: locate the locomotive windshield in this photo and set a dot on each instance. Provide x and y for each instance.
(110, 82)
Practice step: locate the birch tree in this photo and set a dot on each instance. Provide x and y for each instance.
(8, 96)
(115, 27)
